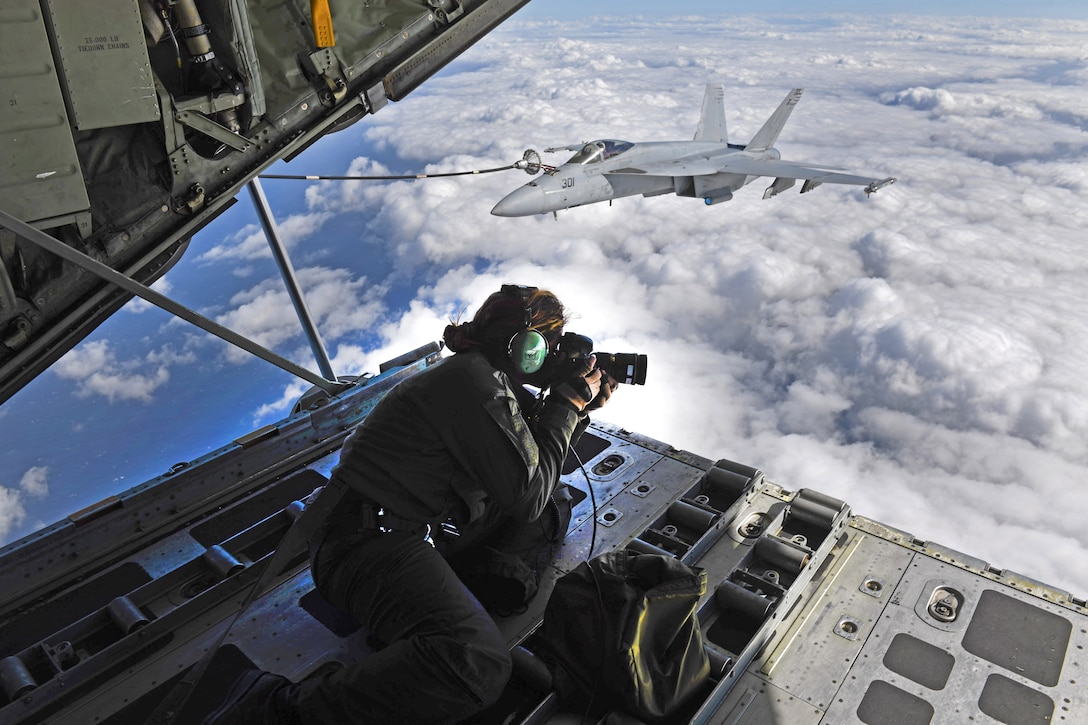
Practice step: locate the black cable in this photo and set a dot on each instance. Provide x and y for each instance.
(165, 14)
(310, 177)
(593, 503)
(596, 584)
(604, 644)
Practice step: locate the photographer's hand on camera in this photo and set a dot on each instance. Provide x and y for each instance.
(608, 386)
(582, 388)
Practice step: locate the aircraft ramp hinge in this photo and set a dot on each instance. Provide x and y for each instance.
(446, 11)
(374, 98)
(326, 76)
(192, 201)
(335, 90)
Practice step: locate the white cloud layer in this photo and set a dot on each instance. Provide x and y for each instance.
(249, 242)
(96, 371)
(338, 303)
(12, 511)
(919, 354)
(34, 483)
(139, 305)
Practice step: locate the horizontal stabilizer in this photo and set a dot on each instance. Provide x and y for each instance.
(766, 136)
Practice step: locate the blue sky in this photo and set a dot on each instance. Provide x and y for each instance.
(919, 354)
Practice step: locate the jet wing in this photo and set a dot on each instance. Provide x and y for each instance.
(739, 164)
(692, 166)
(790, 170)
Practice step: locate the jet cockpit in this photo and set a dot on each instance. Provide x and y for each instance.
(597, 151)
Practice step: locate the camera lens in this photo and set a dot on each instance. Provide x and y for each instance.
(624, 367)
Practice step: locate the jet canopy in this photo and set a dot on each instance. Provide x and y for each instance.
(597, 151)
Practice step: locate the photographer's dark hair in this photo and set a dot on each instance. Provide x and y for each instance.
(501, 316)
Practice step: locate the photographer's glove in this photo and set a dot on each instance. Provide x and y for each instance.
(608, 386)
(581, 388)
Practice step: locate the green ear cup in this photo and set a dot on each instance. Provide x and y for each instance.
(528, 350)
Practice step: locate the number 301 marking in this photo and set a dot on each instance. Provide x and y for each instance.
(568, 182)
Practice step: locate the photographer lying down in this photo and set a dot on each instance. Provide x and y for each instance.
(461, 445)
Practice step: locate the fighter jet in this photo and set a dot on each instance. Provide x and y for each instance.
(708, 167)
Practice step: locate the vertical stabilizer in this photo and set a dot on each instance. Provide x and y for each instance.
(767, 135)
(712, 118)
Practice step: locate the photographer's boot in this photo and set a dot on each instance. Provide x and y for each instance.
(258, 698)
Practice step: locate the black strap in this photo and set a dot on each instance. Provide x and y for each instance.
(374, 517)
(298, 535)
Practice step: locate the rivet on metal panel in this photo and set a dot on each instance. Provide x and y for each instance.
(873, 587)
(609, 517)
(848, 628)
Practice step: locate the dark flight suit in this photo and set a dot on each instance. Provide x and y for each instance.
(449, 442)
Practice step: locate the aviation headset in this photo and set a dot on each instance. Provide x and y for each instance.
(527, 349)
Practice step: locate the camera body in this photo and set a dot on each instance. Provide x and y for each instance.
(623, 367)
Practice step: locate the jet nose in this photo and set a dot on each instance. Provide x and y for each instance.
(525, 201)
